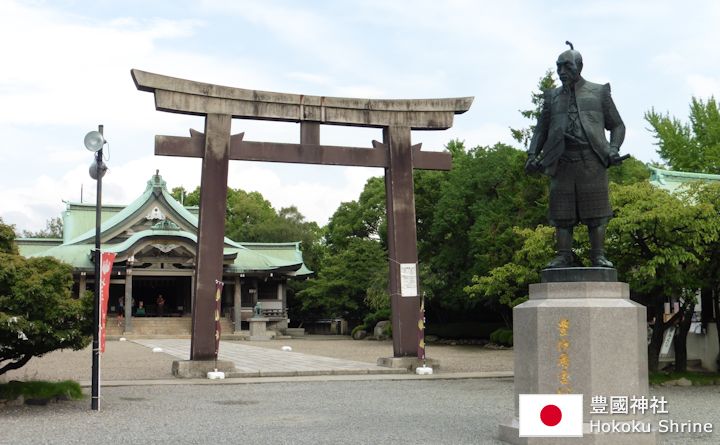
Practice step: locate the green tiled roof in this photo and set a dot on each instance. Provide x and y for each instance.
(79, 240)
(672, 180)
(31, 246)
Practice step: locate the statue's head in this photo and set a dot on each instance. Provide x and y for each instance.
(569, 66)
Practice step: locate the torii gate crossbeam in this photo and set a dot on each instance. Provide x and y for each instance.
(396, 154)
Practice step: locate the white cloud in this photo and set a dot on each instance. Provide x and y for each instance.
(704, 86)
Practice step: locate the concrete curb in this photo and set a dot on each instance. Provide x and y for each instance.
(304, 378)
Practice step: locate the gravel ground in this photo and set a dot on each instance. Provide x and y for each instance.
(412, 412)
(461, 358)
(130, 361)
(121, 361)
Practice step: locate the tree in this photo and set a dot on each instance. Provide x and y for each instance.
(470, 227)
(658, 241)
(710, 262)
(629, 172)
(524, 135)
(693, 147)
(365, 218)
(506, 286)
(37, 311)
(53, 229)
(7, 238)
(341, 287)
(249, 217)
(352, 276)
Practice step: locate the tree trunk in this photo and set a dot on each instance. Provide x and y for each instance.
(681, 338)
(657, 335)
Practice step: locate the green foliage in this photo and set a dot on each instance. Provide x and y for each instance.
(387, 330)
(37, 311)
(506, 286)
(694, 146)
(356, 329)
(67, 389)
(629, 172)
(7, 238)
(657, 240)
(480, 201)
(364, 218)
(524, 135)
(53, 229)
(372, 318)
(502, 336)
(341, 285)
(697, 378)
(179, 193)
(708, 194)
(249, 217)
(352, 279)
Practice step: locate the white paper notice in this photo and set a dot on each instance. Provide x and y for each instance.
(408, 280)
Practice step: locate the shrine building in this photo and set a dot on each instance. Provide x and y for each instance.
(155, 242)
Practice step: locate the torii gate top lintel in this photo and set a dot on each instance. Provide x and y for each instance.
(198, 98)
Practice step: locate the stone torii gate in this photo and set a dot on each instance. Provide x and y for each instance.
(219, 104)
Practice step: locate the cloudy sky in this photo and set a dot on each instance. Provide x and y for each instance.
(66, 69)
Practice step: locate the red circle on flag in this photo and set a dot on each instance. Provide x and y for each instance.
(550, 415)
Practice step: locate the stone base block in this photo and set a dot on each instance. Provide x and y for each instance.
(260, 338)
(258, 328)
(409, 363)
(509, 433)
(198, 369)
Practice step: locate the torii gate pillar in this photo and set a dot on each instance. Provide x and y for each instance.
(219, 104)
(402, 240)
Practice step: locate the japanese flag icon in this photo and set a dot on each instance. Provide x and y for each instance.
(551, 415)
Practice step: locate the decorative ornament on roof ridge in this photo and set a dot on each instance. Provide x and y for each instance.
(157, 182)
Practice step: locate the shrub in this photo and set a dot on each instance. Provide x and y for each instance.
(360, 327)
(502, 336)
(372, 318)
(67, 389)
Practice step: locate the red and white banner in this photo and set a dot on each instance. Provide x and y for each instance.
(551, 415)
(106, 265)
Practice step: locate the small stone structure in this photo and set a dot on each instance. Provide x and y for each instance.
(198, 369)
(258, 329)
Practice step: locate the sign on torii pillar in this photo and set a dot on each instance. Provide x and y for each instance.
(396, 154)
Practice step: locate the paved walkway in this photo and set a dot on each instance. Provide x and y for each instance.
(253, 361)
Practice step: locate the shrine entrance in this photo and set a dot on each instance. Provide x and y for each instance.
(216, 146)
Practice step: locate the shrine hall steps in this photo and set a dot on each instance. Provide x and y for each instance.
(166, 327)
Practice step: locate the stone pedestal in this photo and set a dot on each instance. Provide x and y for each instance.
(409, 363)
(198, 369)
(580, 337)
(258, 329)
